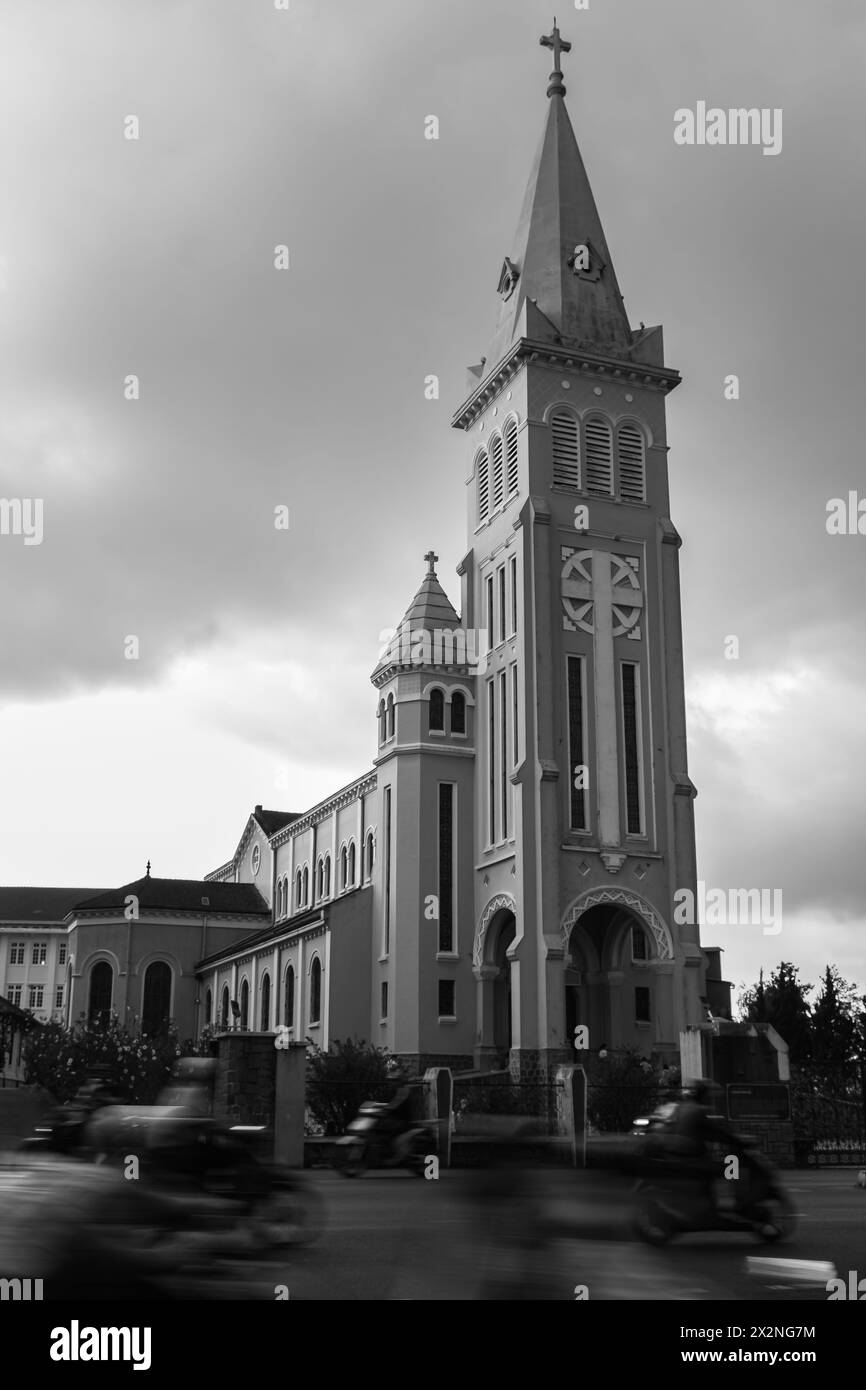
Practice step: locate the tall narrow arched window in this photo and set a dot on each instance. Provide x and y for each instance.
(266, 1002)
(245, 1004)
(458, 713)
(599, 455)
(298, 889)
(224, 1009)
(289, 1014)
(630, 462)
(351, 871)
(320, 878)
(344, 870)
(156, 998)
(390, 716)
(482, 485)
(279, 898)
(101, 985)
(496, 479)
(437, 710)
(305, 888)
(383, 728)
(316, 991)
(370, 854)
(208, 1008)
(510, 440)
(565, 439)
(327, 876)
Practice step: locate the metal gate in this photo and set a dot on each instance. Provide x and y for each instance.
(828, 1109)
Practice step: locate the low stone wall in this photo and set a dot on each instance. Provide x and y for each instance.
(775, 1137)
(246, 1080)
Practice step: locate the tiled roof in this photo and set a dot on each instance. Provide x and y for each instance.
(36, 906)
(182, 895)
(272, 821)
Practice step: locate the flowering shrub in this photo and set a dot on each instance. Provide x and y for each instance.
(133, 1068)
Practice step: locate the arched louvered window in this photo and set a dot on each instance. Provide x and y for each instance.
(496, 480)
(298, 889)
(327, 876)
(458, 713)
(630, 461)
(390, 713)
(305, 891)
(344, 869)
(482, 484)
(156, 999)
(351, 874)
(510, 440)
(566, 449)
(599, 456)
(320, 878)
(289, 1014)
(371, 854)
(316, 991)
(266, 1003)
(437, 711)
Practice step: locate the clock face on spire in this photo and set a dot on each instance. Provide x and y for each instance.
(584, 261)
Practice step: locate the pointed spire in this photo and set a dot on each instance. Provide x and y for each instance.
(558, 268)
(147, 870)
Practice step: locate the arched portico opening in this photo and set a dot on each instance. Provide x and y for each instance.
(617, 977)
(494, 972)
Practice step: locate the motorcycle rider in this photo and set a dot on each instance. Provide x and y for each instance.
(693, 1132)
(397, 1116)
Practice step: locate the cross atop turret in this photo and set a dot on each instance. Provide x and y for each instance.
(431, 561)
(559, 46)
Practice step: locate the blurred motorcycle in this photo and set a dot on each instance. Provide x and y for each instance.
(375, 1140)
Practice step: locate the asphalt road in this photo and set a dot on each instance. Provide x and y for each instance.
(546, 1235)
(390, 1236)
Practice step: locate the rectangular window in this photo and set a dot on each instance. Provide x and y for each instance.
(386, 936)
(61, 955)
(16, 953)
(384, 1003)
(512, 565)
(35, 994)
(39, 952)
(447, 1007)
(58, 997)
(13, 993)
(491, 759)
(514, 726)
(576, 762)
(631, 743)
(446, 867)
(642, 1004)
(503, 607)
(504, 784)
(491, 635)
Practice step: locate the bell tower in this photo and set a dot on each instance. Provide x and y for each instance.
(583, 803)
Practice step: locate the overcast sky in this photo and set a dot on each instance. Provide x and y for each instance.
(305, 388)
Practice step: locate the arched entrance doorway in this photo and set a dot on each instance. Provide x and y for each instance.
(502, 1002)
(611, 981)
(495, 973)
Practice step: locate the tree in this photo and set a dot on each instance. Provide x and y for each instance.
(782, 1001)
(837, 1020)
(339, 1080)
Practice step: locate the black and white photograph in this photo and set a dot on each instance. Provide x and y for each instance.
(432, 737)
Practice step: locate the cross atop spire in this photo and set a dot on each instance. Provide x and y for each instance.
(431, 561)
(559, 46)
(147, 870)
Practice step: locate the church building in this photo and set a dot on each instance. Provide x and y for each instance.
(500, 884)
